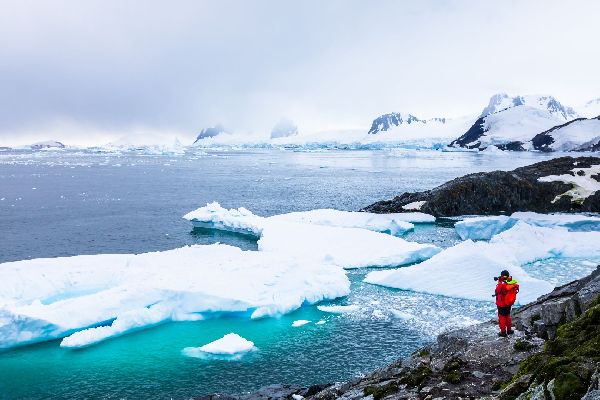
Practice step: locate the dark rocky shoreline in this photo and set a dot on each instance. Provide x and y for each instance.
(554, 354)
(499, 192)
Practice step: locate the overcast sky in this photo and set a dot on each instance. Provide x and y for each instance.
(92, 71)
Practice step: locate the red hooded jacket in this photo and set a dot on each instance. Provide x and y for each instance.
(506, 291)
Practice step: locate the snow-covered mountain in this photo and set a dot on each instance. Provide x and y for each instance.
(581, 134)
(591, 109)
(48, 144)
(386, 122)
(502, 101)
(210, 132)
(284, 128)
(508, 129)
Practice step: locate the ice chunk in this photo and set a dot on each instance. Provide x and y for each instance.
(343, 246)
(338, 309)
(243, 221)
(321, 322)
(466, 270)
(483, 228)
(50, 298)
(387, 223)
(216, 217)
(300, 322)
(232, 345)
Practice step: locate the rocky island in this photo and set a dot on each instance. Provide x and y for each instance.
(565, 184)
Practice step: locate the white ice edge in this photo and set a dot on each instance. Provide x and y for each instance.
(465, 270)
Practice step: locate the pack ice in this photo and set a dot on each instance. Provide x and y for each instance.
(466, 270)
(483, 228)
(113, 294)
(86, 299)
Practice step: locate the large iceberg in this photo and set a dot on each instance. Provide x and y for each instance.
(483, 228)
(91, 298)
(466, 270)
(323, 235)
(244, 221)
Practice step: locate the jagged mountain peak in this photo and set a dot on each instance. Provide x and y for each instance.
(210, 132)
(502, 101)
(388, 121)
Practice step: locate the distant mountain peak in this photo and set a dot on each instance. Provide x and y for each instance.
(502, 101)
(284, 128)
(210, 132)
(388, 121)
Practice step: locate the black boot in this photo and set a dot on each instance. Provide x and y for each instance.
(510, 331)
(502, 334)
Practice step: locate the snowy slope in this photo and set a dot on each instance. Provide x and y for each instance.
(508, 129)
(591, 109)
(578, 135)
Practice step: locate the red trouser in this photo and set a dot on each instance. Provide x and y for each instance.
(504, 319)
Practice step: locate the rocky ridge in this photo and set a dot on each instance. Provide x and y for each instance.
(498, 192)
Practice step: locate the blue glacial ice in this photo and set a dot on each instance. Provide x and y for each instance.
(483, 228)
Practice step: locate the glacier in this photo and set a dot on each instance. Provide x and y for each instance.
(466, 269)
(483, 228)
(89, 298)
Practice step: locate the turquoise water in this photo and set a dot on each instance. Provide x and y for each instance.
(99, 203)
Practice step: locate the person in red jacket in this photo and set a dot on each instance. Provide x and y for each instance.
(506, 295)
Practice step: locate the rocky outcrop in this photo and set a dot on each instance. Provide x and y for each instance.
(210, 132)
(386, 122)
(564, 304)
(475, 363)
(498, 192)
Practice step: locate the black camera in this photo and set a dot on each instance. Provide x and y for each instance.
(496, 278)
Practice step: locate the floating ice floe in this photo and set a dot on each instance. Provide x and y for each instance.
(300, 322)
(91, 298)
(343, 246)
(466, 270)
(230, 346)
(339, 309)
(483, 228)
(244, 221)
